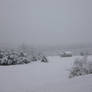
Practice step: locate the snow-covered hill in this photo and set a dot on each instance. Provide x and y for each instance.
(43, 77)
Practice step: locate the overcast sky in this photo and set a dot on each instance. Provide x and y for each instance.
(46, 22)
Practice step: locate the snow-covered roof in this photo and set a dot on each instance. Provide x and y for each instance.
(68, 52)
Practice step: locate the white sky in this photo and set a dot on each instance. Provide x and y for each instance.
(46, 22)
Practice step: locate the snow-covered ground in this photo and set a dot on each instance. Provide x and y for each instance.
(43, 77)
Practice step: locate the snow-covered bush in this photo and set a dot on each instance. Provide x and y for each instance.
(34, 53)
(84, 53)
(23, 60)
(12, 57)
(21, 55)
(81, 66)
(33, 58)
(44, 59)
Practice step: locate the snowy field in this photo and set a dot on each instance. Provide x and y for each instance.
(43, 77)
